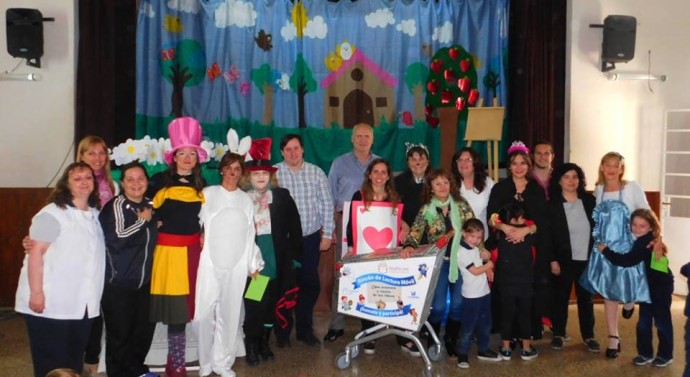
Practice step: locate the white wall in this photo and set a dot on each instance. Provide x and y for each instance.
(624, 116)
(37, 118)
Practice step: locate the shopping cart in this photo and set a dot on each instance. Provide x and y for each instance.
(395, 292)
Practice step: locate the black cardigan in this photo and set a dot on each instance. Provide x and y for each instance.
(559, 235)
(534, 203)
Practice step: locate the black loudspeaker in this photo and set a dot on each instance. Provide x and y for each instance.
(25, 34)
(619, 39)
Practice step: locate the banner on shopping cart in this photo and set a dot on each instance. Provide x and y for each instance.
(390, 290)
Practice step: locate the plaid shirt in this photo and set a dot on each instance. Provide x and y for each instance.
(309, 188)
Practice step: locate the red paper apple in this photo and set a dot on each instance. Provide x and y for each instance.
(465, 65)
(454, 53)
(432, 86)
(464, 84)
(428, 110)
(473, 97)
(446, 97)
(449, 75)
(433, 121)
(460, 104)
(436, 66)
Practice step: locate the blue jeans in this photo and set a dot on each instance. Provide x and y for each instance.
(438, 305)
(658, 313)
(476, 319)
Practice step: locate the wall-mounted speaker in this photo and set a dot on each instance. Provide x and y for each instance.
(619, 39)
(25, 34)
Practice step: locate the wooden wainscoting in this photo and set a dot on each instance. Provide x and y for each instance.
(18, 205)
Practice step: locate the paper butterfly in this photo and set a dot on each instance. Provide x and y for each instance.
(213, 72)
(232, 74)
(168, 54)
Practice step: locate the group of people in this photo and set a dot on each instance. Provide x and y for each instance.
(170, 249)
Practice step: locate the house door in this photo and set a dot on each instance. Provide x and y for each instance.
(675, 192)
(357, 108)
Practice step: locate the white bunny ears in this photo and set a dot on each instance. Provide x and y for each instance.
(238, 146)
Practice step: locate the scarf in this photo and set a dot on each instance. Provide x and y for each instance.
(431, 213)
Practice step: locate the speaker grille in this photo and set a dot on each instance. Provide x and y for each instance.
(619, 39)
(24, 29)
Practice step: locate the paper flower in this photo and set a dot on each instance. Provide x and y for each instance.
(130, 150)
(219, 151)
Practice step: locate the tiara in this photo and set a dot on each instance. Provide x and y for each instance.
(409, 146)
(518, 146)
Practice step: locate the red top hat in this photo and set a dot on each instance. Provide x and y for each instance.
(260, 152)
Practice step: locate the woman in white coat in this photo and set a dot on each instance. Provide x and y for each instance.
(61, 281)
(228, 256)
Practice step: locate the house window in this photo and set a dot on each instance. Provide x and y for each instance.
(333, 101)
(381, 102)
(357, 74)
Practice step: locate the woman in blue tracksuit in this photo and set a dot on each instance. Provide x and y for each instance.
(130, 237)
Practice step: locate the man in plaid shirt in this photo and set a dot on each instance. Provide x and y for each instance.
(308, 186)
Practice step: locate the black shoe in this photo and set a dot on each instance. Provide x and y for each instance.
(592, 345)
(612, 353)
(627, 313)
(411, 349)
(264, 350)
(252, 357)
(309, 339)
(488, 355)
(332, 335)
(557, 342)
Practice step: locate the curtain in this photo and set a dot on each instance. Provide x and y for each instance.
(105, 103)
(537, 72)
(269, 67)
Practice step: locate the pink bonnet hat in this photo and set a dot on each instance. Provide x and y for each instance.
(185, 132)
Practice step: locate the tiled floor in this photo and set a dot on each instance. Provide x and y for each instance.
(301, 360)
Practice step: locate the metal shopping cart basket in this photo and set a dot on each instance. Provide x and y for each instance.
(397, 293)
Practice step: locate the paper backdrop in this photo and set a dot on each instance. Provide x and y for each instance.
(309, 64)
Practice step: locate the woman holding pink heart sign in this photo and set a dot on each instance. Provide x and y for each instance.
(444, 210)
(377, 187)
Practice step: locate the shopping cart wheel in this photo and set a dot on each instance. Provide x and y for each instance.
(342, 361)
(354, 351)
(434, 353)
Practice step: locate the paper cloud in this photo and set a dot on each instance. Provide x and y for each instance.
(316, 28)
(380, 18)
(147, 10)
(187, 6)
(288, 32)
(443, 34)
(408, 27)
(235, 13)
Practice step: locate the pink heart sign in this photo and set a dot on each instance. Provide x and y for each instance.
(377, 239)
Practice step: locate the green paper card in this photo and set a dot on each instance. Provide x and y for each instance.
(659, 265)
(256, 288)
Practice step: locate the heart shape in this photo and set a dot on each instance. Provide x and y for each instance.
(377, 239)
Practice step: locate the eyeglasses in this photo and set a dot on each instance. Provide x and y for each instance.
(464, 160)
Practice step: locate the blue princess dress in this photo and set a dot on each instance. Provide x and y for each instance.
(612, 228)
